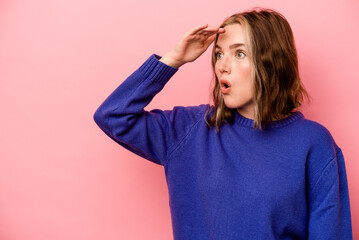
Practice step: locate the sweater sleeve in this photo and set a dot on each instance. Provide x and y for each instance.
(150, 134)
(329, 208)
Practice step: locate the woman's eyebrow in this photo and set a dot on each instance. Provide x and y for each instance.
(232, 46)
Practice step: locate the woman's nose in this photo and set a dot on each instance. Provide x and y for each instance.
(224, 65)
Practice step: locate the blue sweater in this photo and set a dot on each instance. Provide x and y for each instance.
(287, 181)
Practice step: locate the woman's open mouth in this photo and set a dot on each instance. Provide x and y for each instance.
(225, 86)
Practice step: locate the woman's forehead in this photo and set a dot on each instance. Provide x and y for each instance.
(234, 34)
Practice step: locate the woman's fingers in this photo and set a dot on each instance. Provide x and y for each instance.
(210, 39)
(205, 29)
(195, 42)
(198, 28)
(210, 32)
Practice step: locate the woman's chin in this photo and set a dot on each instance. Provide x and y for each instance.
(231, 105)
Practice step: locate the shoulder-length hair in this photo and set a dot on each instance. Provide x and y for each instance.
(273, 57)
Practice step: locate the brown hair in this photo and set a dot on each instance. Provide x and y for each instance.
(276, 83)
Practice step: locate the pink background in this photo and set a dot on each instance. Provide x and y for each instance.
(61, 177)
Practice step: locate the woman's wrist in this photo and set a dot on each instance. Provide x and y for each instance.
(168, 59)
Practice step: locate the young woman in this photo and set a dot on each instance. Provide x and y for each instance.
(251, 166)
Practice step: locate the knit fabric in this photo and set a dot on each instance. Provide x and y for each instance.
(287, 181)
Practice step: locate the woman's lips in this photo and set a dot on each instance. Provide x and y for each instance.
(225, 86)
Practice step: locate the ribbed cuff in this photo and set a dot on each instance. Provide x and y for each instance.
(157, 71)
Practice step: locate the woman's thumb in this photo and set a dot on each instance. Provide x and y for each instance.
(210, 39)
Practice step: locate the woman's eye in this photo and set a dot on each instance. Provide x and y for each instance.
(216, 54)
(241, 54)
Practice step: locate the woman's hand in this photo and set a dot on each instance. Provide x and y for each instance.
(192, 44)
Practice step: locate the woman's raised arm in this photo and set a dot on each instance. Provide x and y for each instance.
(153, 134)
(191, 45)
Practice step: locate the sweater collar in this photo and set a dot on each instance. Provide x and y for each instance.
(275, 124)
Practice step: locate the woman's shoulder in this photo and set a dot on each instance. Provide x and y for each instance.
(316, 128)
(318, 134)
(194, 111)
(183, 116)
(196, 108)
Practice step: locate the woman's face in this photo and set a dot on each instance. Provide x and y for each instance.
(233, 70)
